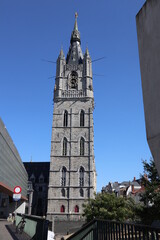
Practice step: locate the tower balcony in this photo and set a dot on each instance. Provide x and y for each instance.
(73, 94)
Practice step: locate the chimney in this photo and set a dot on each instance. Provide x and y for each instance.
(134, 179)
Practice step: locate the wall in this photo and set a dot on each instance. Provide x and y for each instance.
(148, 32)
(12, 171)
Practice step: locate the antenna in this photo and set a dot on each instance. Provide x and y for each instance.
(98, 75)
(95, 60)
(44, 60)
(51, 77)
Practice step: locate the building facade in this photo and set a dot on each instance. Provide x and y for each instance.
(38, 180)
(125, 189)
(148, 33)
(12, 173)
(72, 167)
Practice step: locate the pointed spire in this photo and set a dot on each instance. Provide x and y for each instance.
(87, 52)
(61, 54)
(75, 55)
(75, 37)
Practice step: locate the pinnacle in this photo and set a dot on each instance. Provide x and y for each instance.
(61, 54)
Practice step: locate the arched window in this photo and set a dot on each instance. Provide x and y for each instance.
(63, 180)
(65, 119)
(81, 192)
(82, 146)
(64, 146)
(82, 118)
(74, 80)
(76, 209)
(63, 192)
(81, 176)
(62, 208)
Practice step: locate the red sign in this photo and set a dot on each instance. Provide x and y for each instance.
(17, 190)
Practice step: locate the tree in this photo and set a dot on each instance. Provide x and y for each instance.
(150, 199)
(108, 206)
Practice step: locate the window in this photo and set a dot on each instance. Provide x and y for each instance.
(76, 209)
(32, 178)
(65, 119)
(63, 192)
(82, 146)
(41, 178)
(81, 192)
(74, 80)
(88, 193)
(81, 176)
(62, 208)
(82, 118)
(64, 146)
(40, 189)
(4, 203)
(63, 182)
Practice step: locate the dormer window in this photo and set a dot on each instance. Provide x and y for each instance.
(41, 178)
(32, 178)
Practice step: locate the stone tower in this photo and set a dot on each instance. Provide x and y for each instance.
(72, 168)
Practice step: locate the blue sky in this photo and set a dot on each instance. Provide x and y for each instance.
(33, 30)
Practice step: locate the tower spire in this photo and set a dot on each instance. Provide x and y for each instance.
(75, 55)
(75, 37)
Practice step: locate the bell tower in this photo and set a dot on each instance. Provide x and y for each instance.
(72, 167)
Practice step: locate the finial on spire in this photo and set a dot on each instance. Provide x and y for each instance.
(76, 15)
(61, 54)
(87, 52)
(75, 33)
(76, 25)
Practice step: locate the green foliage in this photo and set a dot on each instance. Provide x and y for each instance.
(150, 199)
(108, 206)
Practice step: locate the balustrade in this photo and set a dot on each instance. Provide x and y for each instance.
(73, 93)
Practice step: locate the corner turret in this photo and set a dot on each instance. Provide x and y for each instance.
(87, 73)
(61, 62)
